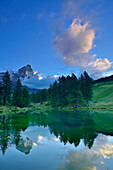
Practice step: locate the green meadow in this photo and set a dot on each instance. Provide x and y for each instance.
(103, 96)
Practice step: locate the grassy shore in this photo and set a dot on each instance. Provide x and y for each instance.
(33, 109)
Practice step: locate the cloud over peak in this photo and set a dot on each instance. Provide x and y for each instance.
(39, 81)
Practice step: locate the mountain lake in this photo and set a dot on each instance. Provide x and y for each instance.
(56, 140)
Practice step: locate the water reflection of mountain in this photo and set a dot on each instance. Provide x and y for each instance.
(69, 127)
(10, 129)
(25, 145)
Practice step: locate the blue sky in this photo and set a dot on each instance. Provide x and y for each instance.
(57, 37)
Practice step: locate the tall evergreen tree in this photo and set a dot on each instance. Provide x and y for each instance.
(75, 96)
(17, 94)
(62, 90)
(68, 85)
(6, 88)
(37, 97)
(1, 93)
(25, 101)
(40, 96)
(86, 83)
(32, 97)
(54, 97)
(49, 93)
(44, 95)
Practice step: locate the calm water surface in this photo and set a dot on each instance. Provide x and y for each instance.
(63, 141)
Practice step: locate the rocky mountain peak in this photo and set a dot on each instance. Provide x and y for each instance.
(25, 72)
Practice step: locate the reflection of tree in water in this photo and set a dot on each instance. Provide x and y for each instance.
(10, 128)
(69, 127)
(73, 127)
(4, 133)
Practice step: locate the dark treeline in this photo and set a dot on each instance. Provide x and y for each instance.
(104, 79)
(67, 91)
(9, 95)
(39, 97)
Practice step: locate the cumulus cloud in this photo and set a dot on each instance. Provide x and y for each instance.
(97, 67)
(75, 43)
(81, 9)
(100, 64)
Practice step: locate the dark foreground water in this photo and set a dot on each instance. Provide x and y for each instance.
(67, 141)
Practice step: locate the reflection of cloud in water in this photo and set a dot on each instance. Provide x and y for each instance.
(80, 160)
(40, 135)
(107, 151)
(39, 141)
(55, 139)
(104, 146)
(91, 159)
(44, 140)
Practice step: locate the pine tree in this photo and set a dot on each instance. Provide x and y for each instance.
(86, 83)
(68, 85)
(25, 98)
(38, 97)
(62, 91)
(44, 95)
(54, 97)
(75, 96)
(32, 97)
(49, 93)
(1, 93)
(17, 94)
(6, 88)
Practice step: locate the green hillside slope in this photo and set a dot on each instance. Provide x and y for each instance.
(103, 95)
